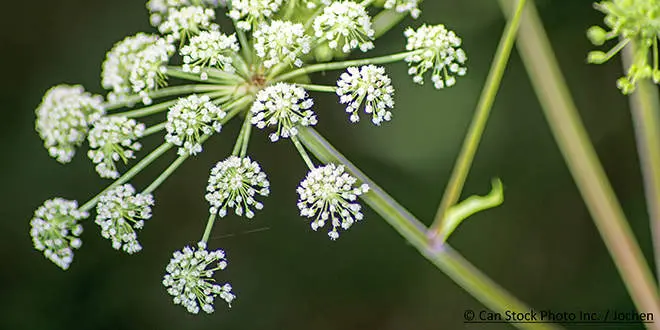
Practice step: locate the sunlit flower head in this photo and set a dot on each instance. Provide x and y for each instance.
(285, 106)
(64, 117)
(439, 51)
(370, 85)
(251, 13)
(158, 9)
(234, 183)
(281, 42)
(131, 61)
(189, 278)
(112, 139)
(330, 194)
(120, 212)
(403, 6)
(345, 24)
(189, 120)
(209, 49)
(183, 23)
(56, 230)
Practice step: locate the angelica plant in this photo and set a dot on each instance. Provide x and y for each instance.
(260, 74)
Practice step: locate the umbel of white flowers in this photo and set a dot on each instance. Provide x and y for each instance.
(261, 73)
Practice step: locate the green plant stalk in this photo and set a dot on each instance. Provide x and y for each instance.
(163, 92)
(478, 125)
(168, 171)
(154, 129)
(344, 64)
(209, 227)
(645, 110)
(446, 259)
(177, 72)
(580, 156)
(129, 174)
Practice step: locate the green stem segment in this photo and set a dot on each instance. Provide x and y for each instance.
(163, 92)
(478, 125)
(646, 117)
(580, 156)
(446, 259)
(209, 227)
(129, 174)
(247, 126)
(166, 174)
(345, 64)
(303, 152)
(318, 88)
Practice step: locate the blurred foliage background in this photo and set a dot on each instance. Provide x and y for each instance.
(541, 244)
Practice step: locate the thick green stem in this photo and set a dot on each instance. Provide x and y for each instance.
(247, 124)
(580, 156)
(129, 174)
(344, 64)
(446, 259)
(478, 125)
(645, 110)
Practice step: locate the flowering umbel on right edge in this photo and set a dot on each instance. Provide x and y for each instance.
(635, 23)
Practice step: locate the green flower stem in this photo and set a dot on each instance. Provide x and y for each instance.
(129, 174)
(228, 78)
(318, 88)
(311, 19)
(246, 48)
(146, 111)
(302, 152)
(156, 108)
(247, 124)
(446, 259)
(240, 140)
(154, 129)
(345, 64)
(168, 171)
(163, 92)
(478, 125)
(177, 72)
(646, 117)
(209, 227)
(580, 156)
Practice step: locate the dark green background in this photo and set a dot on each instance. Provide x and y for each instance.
(541, 244)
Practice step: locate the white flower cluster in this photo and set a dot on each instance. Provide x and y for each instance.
(311, 4)
(158, 9)
(345, 24)
(249, 13)
(56, 231)
(281, 42)
(119, 213)
(209, 49)
(189, 120)
(440, 51)
(233, 183)
(136, 65)
(183, 23)
(64, 117)
(402, 6)
(285, 106)
(328, 193)
(190, 282)
(368, 84)
(112, 139)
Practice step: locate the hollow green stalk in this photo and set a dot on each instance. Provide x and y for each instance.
(154, 129)
(318, 88)
(446, 259)
(580, 156)
(209, 227)
(478, 125)
(645, 110)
